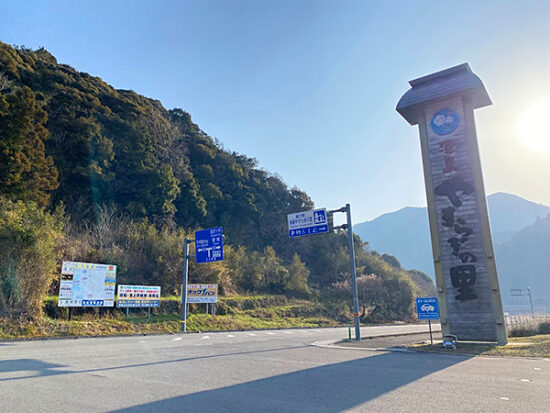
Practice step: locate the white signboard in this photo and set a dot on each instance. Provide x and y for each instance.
(202, 293)
(138, 296)
(87, 285)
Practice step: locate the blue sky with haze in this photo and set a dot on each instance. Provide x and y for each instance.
(309, 88)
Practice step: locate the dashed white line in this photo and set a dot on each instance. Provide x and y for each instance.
(525, 380)
(230, 335)
(537, 369)
(252, 334)
(504, 398)
(177, 339)
(203, 337)
(269, 332)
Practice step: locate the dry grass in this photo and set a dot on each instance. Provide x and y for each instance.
(533, 346)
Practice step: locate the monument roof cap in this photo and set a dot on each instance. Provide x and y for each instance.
(455, 80)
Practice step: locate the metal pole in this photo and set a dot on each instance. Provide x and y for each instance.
(184, 287)
(127, 309)
(148, 314)
(353, 275)
(531, 301)
(431, 338)
(206, 309)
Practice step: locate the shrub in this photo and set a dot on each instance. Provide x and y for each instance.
(30, 241)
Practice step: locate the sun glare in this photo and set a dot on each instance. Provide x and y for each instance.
(534, 128)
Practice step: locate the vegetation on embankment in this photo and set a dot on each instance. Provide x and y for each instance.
(233, 313)
(93, 174)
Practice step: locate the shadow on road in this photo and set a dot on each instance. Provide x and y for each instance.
(333, 387)
(46, 369)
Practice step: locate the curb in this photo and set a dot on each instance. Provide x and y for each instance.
(69, 337)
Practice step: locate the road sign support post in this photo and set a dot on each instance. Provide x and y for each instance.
(184, 305)
(431, 338)
(353, 275)
(531, 301)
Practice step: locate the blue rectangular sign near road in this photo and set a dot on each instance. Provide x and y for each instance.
(209, 245)
(427, 308)
(307, 223)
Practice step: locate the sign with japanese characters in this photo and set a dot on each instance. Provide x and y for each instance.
(85, 284)
(209, 245)
(138, 296)
(456, 197)
(442, 104)
(307, 223)
(202, 293)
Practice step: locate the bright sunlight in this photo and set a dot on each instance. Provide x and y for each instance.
(533, 126)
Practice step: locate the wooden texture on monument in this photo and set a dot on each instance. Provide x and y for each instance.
(442, 105)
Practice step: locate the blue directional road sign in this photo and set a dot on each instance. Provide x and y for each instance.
(307, 223)
(427, 308)
(209, 245)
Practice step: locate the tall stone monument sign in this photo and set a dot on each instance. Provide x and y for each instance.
(442, 104)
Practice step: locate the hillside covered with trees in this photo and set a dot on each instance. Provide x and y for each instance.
(92, 173)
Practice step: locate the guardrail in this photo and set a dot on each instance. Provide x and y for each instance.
(525, 319)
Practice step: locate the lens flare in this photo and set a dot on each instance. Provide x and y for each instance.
(534, 126)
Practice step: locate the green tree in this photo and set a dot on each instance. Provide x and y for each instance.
(25, 171)
(30, 241)
(275, 275)
(298, 275)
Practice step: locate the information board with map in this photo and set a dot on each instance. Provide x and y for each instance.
(87, 285)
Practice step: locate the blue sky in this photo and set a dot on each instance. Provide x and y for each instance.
(309, 88)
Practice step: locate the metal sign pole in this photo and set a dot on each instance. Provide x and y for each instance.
(531, 301)
(184, 287)
(431, 338)
(353, 275)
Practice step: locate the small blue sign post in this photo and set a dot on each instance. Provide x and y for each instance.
(427, 308)
(209, 245)
(208, 248)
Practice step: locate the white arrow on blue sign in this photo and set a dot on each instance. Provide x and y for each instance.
(307, 223)
(427, 308)
(209, 245)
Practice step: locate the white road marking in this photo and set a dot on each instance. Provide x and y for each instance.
(203, 337)
(269, 332)
(230, 335)
(504, 398)
(525, 380)
(177, 339)
(251, 334)
(287, 332)
(537, 369)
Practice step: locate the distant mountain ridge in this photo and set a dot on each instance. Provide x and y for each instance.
(521, 236)
(405, 233)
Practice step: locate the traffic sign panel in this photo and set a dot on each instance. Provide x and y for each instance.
(307, 223)
(209, 245)
(427, 308)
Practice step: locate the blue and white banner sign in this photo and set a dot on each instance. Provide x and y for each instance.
(307, 223)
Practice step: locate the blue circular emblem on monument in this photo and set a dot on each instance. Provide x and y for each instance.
(445, 121)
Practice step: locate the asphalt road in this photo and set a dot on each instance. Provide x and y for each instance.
(260, 371)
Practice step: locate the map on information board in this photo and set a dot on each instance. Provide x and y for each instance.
(85, 284)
